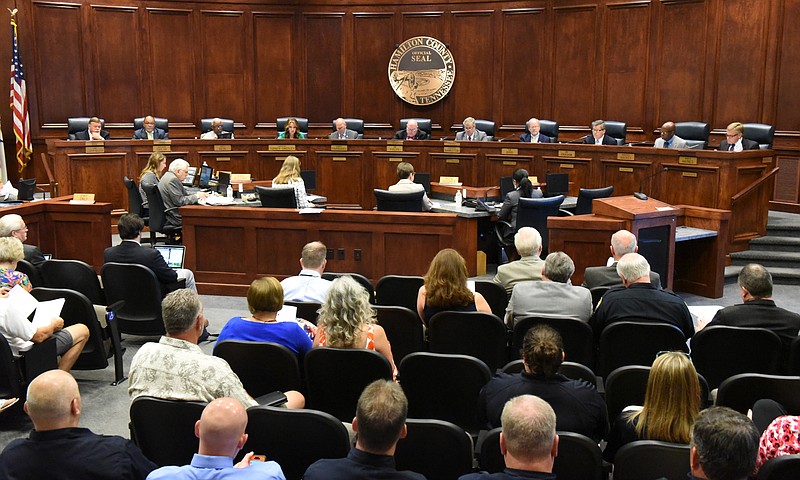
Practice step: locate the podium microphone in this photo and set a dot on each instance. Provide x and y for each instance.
(506, 138)
(639, 194)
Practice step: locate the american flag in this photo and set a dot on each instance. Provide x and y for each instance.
(19, 102)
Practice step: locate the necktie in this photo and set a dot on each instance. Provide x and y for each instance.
(666, 144)
(469, 139)
(341, 137)
(149, 135)
(730, 148)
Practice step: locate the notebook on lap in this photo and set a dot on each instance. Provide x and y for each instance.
(173, 254)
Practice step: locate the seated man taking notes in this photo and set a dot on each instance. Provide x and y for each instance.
(412, 132)
(471, 132)
(342, 132)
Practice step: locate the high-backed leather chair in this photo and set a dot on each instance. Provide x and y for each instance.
(617, 130)
(487, 127)
(27, 189)
(533, 212)
(276, 197)
(761, 133)
(80, 124)
(586, 195)
(205, 125)
(549, 128)
(423, 124)
(161, 123)
(695, 133)
(355, 124)
(399, 201)
(302, 123)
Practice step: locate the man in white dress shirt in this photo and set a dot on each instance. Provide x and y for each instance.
(308, 286)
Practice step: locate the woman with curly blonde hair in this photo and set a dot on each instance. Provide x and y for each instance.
(290, 175)
(346, 320)
(445, 288)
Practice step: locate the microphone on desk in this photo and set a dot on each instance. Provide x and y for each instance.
(639, 194)
(576, 140)
(506, 138)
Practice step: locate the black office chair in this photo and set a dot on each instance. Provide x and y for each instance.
(139, 288)
(306, 310)
(597, 294)
(487, 127)
(651, 459)
(75, 275)
(277, 197)
(495, 296)
(740, 392)
(134, 197)
(784, 467)
(164, 429)
(16, 372)
(335, 378)
(398, 201)
(586, 195)
(295, 438)
(627, 386)
(361, 279)
(444, 387)
(206, 125)
(403, 329)
(32, 271)
(617, 130)
(161, 123)
(26, 189)
(263, 367)
(575, 371)
(793, 368)
(398, 290)
(479, 334)
(636, 343)
(533, 212)
(80, 124)
(720, 352)
(695, 133)
(302, 124)
(437, 449)
(158, 216)
(354, 124)
(577, 336)
(549, 128)
(761, 133)
(424, 124)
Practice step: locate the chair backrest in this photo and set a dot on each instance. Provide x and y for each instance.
(302, 123)
(651, 459)
(636, 343)
(134, 198)
(487, 127)
(206, 123)
(627, 386)
(277, 197)
(295, 438)
(479, 334)
(495, 296)
(398, 290)
(335, 378)
(533, 212)
(398, 201)
(740, 392)
(277, 366)
(32, 271)
(138, 286)
(361, 279)
(586, 195)
(75, 275)
(161, 123)
(617, 130)
(152, 418)
(79, 124)
(761, 133)
(157, 211)
(557, 184)
(578, 338)
(695, 133)
(426, 377)
(784, 467)
(27, 188)
(794, 357)
(424, 124)
(597, 294)
(573, 370)
(355, 124)
(403, 329)
(719, 352)
(549, 128)
(306, 310)
(437, 449)
(12, 381)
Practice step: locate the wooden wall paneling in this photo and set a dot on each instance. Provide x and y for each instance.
(473, 94)
(117, 62)
(336, 237)
(627, 32)
(169, 87)
(524, 66)
(80, 235)
(433, 24)
(323, 68)
(787, 182)
(89, 173)
(332, 166)
(788, 71)
(275, 80)
(228, 265)
(462, 165)
(222, 89)
(373, 45)
(60, 83)
(279, 246)
(496, 166)
(626, 176)
(579, 170)
(687, 184)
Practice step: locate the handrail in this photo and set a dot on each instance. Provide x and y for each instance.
(52, 183)
(753, 185)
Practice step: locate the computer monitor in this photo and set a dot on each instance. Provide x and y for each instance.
(557, 184)
(309, 179)
(189, 180)
(424, 179)
(205, 176)
(506, 185)
(223, 180)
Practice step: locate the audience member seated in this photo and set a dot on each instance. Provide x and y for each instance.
(380, 423)
(552, 297)
(668, 139)
(291, 131)
(290, 175)
(94, 132)
(779, 438)
(149, 131)
(174, 194)
(445, 288)
(11, 252)
(533, 135)
(598, 135)
(638, 300)
(470, 132)
(735, 141)
(671, 404)
(622, 242)
(528, 243)
(724, 445)
(221, 430)
(216, 131)
(523, 188)
(405, 173)
(412, 132)
(577, 404)
(151, 174)
(12, 225)
(528, 442)
(57, 444)
(308, 286)
(342, 132)
(175, 368)
(346, 320)
(264, 299)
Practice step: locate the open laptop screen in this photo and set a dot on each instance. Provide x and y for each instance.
(173, 254)
(205, 176)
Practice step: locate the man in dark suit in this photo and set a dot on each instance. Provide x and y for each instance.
(342, 132)
(735, 141)
(149, 131)
(94, 132)
(533, 135)
(622, 242)
(471, 132)
(12, 225)
(598, 135)
(412, 132)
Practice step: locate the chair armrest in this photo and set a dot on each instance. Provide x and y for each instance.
(565, 213)
(274, 399)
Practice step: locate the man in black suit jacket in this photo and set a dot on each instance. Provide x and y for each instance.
(622, 242)
(412, 132)
(598, 135)
(12, 225)
(94, 132)
(533, 135)
(149, 131)
(735, 141)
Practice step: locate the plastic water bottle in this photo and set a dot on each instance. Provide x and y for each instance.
(459, 198)
(230, 192)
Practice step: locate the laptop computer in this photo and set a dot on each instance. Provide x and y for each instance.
(205, 176)
(189, 180)
(223, 180)
(173, 254)
(506, 185)
(309, 179)
(424, 179)
(557, 184)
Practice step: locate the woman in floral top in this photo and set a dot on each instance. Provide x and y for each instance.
(11, 252)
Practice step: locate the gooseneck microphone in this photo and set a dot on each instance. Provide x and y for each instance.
(639, 194)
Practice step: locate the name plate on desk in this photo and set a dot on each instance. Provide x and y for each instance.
(509, 163)
(687, 160)
(452, 160)
(394, 148)
(510, 151)
(222, 148)
(282, 147)
(567, 165)
(395, 159)
(339, 147)
(451, 148)
(223, 159)
(339, 159)
(566, 153)
(626, 156)
(162, 148)
(689, 174)
(95, 148)
(626, 169)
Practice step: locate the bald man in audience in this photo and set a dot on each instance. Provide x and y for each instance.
(12, 225)
(221, 430)
(58, 449)
(528, 442)
(528, 243)
(622, 242)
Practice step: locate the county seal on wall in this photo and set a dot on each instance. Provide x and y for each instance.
(422, 70)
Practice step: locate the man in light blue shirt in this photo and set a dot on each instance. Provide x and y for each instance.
(221, 432)
(308, 286)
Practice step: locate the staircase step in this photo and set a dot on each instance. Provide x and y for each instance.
(767, 258)
(783, 230)
(780, 276)
(775, 244)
